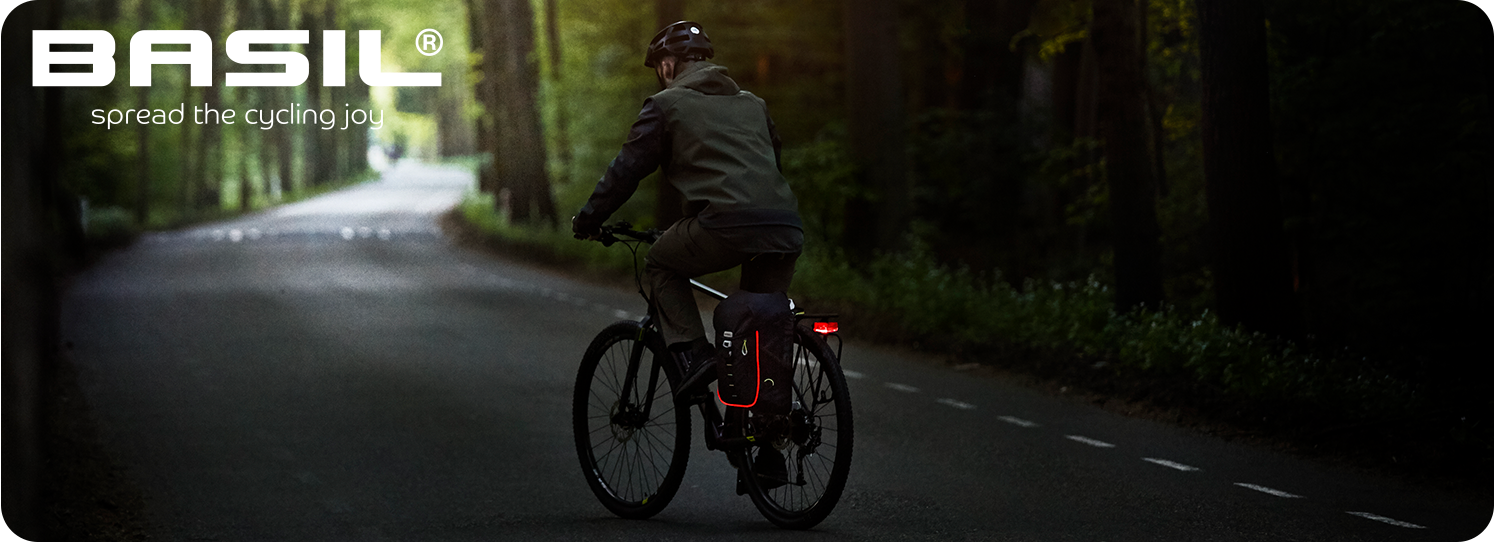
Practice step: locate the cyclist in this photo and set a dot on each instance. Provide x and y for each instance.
(719, 148)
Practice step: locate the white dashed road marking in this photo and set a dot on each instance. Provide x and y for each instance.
(1169, 464)
(1089, 441)
(1383, 519)
(852, 374)
(1268, 491)
(900, 387)
(957, 404)
(1019, 422)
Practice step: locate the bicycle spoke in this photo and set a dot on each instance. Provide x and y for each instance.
(661, 415)
(617, 444)
(653, 462)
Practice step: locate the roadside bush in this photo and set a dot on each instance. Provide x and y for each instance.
(109, 226)
(951, 306)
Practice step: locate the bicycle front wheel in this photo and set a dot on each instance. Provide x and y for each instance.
(632, 441)
(817, 451)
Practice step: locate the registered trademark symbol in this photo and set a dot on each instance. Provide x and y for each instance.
(429, 42)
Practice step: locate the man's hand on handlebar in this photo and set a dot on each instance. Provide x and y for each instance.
(612, 234)
(591, 233)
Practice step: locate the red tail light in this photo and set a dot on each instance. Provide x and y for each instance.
(826, 328)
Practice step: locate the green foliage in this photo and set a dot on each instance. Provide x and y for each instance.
(602, 85)
(109, 225)
(1056, 24)
(1172, 44)
(479, 211)
(935, 303)
(822, 177)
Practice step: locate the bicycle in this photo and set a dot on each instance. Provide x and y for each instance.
(633, 433)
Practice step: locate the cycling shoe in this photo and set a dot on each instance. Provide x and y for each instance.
(698, 373)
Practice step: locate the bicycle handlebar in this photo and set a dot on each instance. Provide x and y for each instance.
(609, 234)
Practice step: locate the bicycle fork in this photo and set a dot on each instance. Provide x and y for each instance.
(637, 415)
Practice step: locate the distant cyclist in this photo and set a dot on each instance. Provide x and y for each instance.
(719, 148)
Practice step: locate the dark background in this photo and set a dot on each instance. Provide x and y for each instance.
(1316, 171)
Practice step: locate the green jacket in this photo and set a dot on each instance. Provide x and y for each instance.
(717, 146)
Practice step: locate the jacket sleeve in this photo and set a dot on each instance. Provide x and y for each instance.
(644, 152)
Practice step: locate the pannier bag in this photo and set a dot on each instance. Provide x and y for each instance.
(754, 347)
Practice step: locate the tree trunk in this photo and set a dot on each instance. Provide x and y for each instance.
(562, 116)
(482, 25)
(992, 71)
(188, 143)
(1252, 267)
(244, 19)
(334, 164)
(333, 148)
(878, 217)
(246, 179)
(285, 149)
(669, 205)
(1065, 95)
(523, 169)
(1156, 108)
(209, 165)
(1128, 160)
(356, 139)
(311, 165)
(142, 141)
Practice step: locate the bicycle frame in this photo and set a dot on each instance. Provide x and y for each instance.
(714, 418)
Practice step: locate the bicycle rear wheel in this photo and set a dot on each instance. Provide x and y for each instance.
(818, 449)
(632, 441)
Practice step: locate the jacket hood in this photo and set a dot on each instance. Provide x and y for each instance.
(707, 78)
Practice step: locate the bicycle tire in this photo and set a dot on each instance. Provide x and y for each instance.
(792, 506)
(628, 477)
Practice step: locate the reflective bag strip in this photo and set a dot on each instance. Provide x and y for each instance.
(757, 361)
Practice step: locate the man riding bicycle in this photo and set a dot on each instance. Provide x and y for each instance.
(719, 148)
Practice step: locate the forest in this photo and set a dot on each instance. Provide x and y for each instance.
(1271, 208)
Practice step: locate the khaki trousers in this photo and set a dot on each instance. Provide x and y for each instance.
(685, 251)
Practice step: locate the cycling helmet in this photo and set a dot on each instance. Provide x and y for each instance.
(684, 39)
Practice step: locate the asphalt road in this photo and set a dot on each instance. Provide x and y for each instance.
(337, 370)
